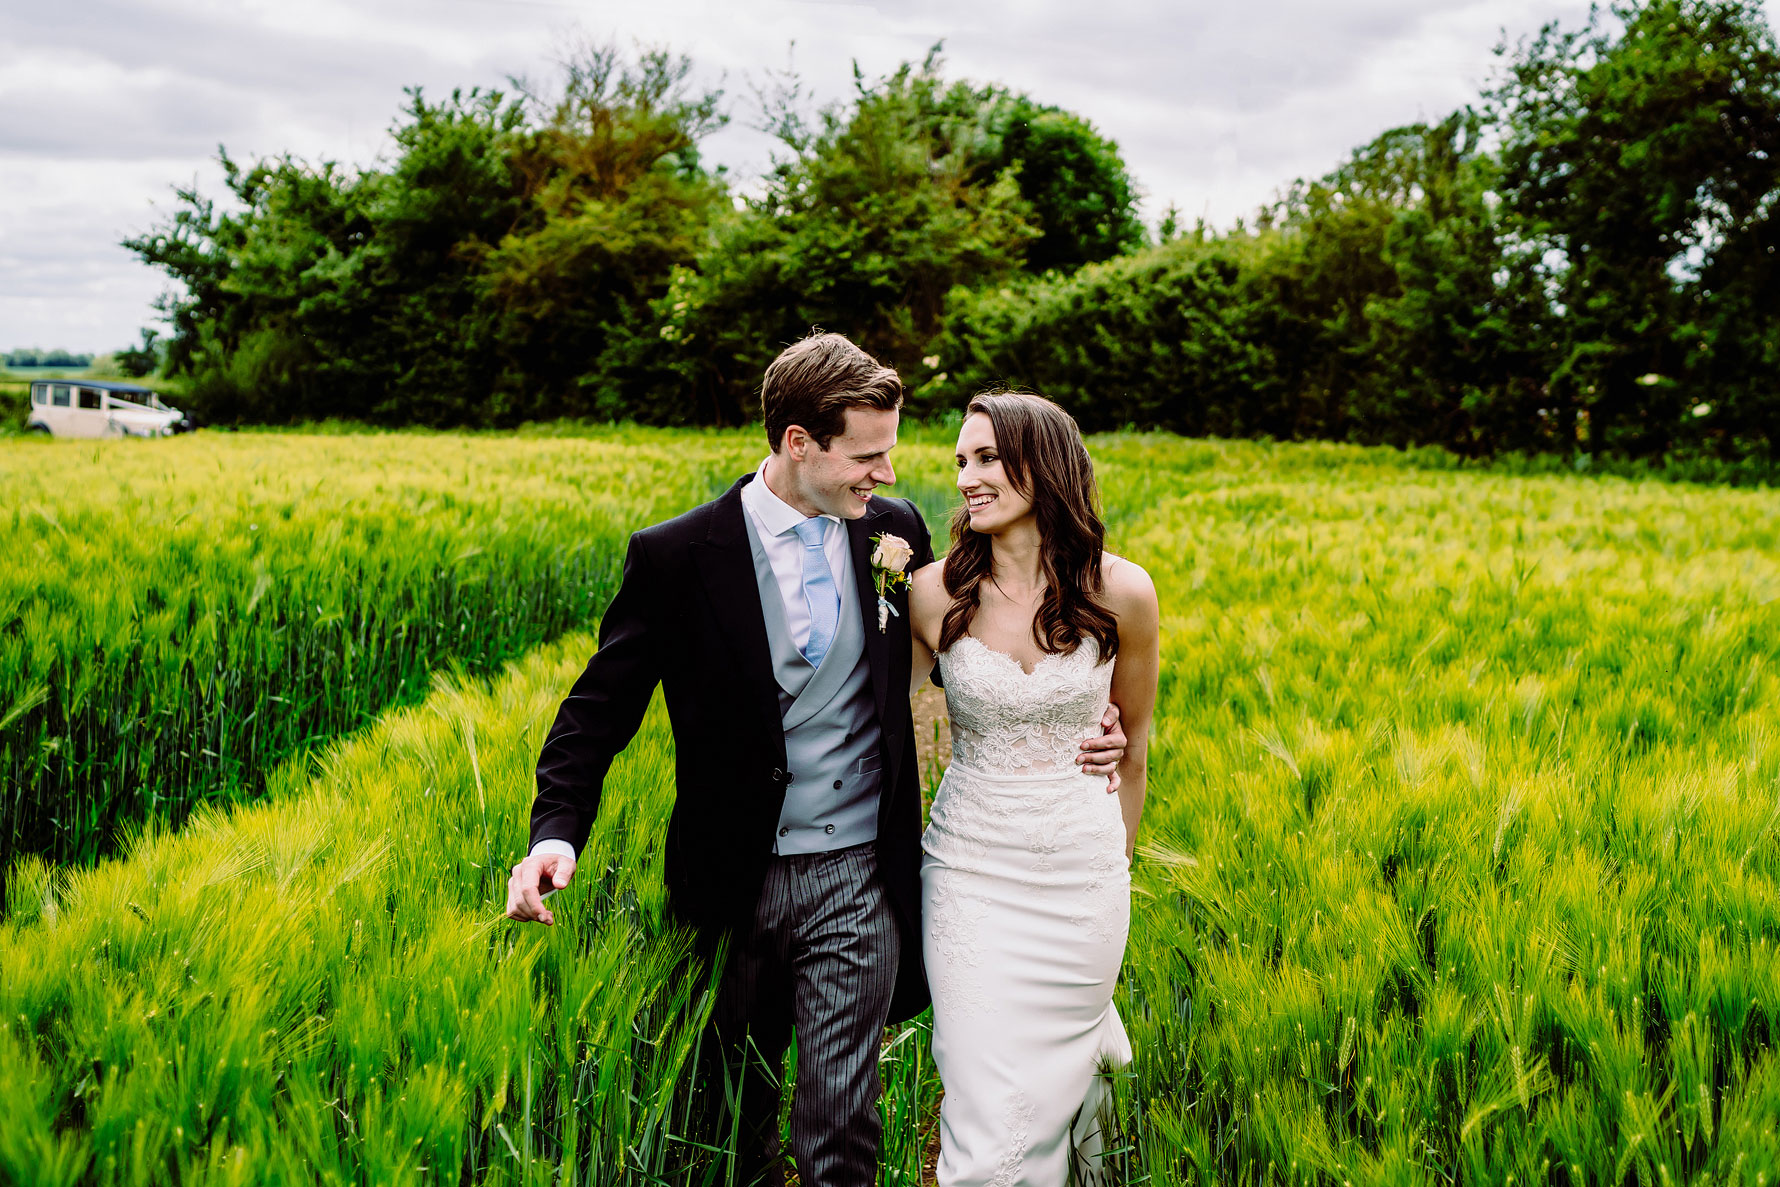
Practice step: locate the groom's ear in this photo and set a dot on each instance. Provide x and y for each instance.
(798, 441)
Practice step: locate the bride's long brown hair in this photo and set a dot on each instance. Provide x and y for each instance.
(1044, 458)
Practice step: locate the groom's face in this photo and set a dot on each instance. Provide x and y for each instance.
(839, 480)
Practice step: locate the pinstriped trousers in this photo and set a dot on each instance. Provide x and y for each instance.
(820, 958)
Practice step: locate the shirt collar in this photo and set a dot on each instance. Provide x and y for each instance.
(770, 511)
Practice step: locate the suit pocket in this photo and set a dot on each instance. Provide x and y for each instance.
(870, 764)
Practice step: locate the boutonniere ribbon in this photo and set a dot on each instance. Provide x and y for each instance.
(889, 570)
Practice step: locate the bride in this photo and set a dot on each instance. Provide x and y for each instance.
(1026, 878)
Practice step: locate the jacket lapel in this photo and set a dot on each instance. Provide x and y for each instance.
(877, 643)
(726, 566)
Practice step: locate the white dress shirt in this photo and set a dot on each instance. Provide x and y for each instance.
(775, 523)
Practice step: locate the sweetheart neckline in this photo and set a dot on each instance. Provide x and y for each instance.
(1018, 666)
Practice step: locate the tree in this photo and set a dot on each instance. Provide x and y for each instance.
(1083, 200)
(871, 217)
(1642, 170)
(476, 279)
(1397, 294)
(144, 359)
(616, 198)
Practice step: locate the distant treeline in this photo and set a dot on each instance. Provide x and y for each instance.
(1585, 259)
(35, 357)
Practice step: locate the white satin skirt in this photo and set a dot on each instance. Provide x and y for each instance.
(1026, 903)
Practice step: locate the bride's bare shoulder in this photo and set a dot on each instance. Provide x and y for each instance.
(928, 600)
(927, 585)
(1129, 589)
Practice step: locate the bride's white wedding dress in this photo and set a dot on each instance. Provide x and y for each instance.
(1026, 900)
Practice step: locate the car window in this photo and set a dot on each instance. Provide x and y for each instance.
(59, 395)
(40, 393)
(89, 398)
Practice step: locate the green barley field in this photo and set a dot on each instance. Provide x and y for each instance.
(1460, 863)
(176, 620)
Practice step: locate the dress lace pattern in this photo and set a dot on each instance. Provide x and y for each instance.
(1026, 900)
(1007, 721)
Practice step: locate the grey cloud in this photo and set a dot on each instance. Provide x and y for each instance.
(180, 81)
(1215, 105)
(220, 44)
(1235, 55)
(121, 117)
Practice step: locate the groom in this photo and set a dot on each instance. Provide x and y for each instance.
(797, 815)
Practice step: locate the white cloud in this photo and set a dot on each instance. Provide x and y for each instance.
(106, 105)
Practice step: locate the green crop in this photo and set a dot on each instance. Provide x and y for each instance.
(1461, 864)
(1461, 857)
(177, 616)
(320, 986)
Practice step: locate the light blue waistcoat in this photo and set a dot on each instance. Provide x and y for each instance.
(833, 743)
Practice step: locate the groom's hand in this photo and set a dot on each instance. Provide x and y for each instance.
(532, 879)
(1101, 756)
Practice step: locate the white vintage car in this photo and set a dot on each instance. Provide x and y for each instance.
(90, 408)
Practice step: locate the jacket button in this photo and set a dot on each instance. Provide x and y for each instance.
(785, 832)
(837, 784)
(828, 828)
(778, 775)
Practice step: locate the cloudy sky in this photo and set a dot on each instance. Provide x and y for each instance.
(106, 105)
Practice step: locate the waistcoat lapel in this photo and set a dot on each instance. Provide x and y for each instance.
(837, 665)
(791, 671)
(805, 687)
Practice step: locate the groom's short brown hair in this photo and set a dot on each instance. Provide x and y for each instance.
(813, 382)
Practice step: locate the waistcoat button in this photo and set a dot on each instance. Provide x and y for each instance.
(837, 784)
(828, 828)
(785, 832)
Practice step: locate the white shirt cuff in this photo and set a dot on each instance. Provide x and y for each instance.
(554, 845)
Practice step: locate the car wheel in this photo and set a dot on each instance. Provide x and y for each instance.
(37, 430)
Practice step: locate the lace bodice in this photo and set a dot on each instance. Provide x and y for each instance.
(1006, 720)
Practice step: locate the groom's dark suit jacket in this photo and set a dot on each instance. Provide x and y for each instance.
(687, 615)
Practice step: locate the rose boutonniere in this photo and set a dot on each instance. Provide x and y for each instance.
(889, 570)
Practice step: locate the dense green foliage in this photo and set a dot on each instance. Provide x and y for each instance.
(570, 255)
(1604, 281)
(36, 357)
(175, 620)
(473, 280)
(1463, 857)
(1584, 262)
(143, 359)
(872, 218)
(1460, 863)
(1643, 175)
(1369, 310)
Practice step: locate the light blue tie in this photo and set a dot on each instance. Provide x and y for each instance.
(823, 599)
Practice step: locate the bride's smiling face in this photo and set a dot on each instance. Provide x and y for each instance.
(989, 494)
